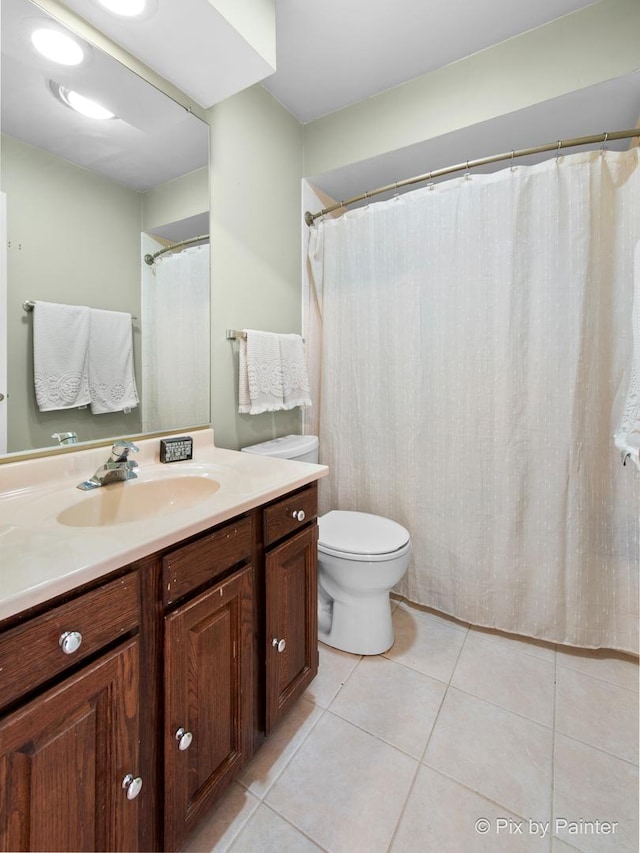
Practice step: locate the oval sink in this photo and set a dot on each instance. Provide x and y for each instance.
(137, 500)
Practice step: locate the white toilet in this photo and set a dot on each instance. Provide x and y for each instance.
(360, 558)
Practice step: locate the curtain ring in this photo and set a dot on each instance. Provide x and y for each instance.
(558, 150)
(604, 142)
(512, 156)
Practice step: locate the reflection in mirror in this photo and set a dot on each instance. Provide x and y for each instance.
(86, 199)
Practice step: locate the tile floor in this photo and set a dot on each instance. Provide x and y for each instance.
(457, 739)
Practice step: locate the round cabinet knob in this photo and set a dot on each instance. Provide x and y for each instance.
(280, 645)
(298, 514)
(132, 785)
(184, 739)
(70, 642)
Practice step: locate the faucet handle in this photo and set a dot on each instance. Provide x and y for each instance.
(121, 450)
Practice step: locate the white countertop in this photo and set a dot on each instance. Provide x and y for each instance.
(41, 558)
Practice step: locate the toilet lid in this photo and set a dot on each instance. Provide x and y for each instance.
(360, 533)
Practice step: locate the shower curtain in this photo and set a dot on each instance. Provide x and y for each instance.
(176, 341)
(473, 345)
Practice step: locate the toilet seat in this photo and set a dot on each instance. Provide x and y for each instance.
(361, 535)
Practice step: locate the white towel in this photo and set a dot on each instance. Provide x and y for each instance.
(627, 437)
(60, 355)
(260, 380)
(272, 373)
(112, 384)
(295, 382)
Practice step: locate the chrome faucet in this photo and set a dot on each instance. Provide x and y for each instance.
(116, 469)
(66, 437)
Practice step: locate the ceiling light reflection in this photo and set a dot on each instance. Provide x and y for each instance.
(126, 8)
(82, 105)
(57, 46)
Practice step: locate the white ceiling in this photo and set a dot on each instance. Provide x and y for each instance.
(332, 54)
(188, 42)
(329, 54)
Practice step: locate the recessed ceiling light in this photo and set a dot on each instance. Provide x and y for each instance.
(57, 46)
(126, 8)
(82, 105)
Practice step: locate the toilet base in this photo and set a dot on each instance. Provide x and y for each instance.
(361, 626)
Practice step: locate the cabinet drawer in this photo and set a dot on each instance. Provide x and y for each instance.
(193, 565)
(290, 513)
(32, 653)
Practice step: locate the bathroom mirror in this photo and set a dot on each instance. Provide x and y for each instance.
(85, 199)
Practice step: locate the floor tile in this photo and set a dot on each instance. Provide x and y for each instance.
(425, 642)
(267, 832)
(230, 814)
(598, 713)
(344, 788)
(443, 816)
(615, 667)
(392, 702)
(506, 675)
(273, 756)
(559, 846)
(538, 648)
(403, 752)
(590, 785)
(334, 669)
(495, 752)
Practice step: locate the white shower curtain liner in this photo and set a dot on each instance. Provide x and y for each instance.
(473, 349)
(176, 341)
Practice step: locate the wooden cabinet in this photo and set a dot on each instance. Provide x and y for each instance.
(208, 699)
(69, 751)
(291, 623)
(171, 671)
(38, 649)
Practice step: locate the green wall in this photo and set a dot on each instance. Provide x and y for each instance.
(256, 170)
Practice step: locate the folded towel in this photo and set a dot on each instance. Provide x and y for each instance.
(112, 383)
(627, 436)
(295, 382)
(273, 373)
(60, 355)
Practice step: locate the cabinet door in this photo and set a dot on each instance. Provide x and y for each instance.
(63, 759)
(291, 622)
(208, 699)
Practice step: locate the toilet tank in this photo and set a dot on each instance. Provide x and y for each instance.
(301, 448)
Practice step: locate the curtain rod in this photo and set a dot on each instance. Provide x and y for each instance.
(310, 218)
(149, 259)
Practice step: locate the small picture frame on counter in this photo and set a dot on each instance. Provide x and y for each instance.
(176, 449)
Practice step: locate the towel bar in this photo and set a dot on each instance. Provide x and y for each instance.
(28, 306)
(235, 335)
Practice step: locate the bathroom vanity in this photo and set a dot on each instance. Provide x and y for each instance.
(143, 662)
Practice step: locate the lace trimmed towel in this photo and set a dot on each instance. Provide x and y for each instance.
(61, 355)
(272, 373)
(295, 382)
(82, 356)
(627, 437)
(112, 383)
